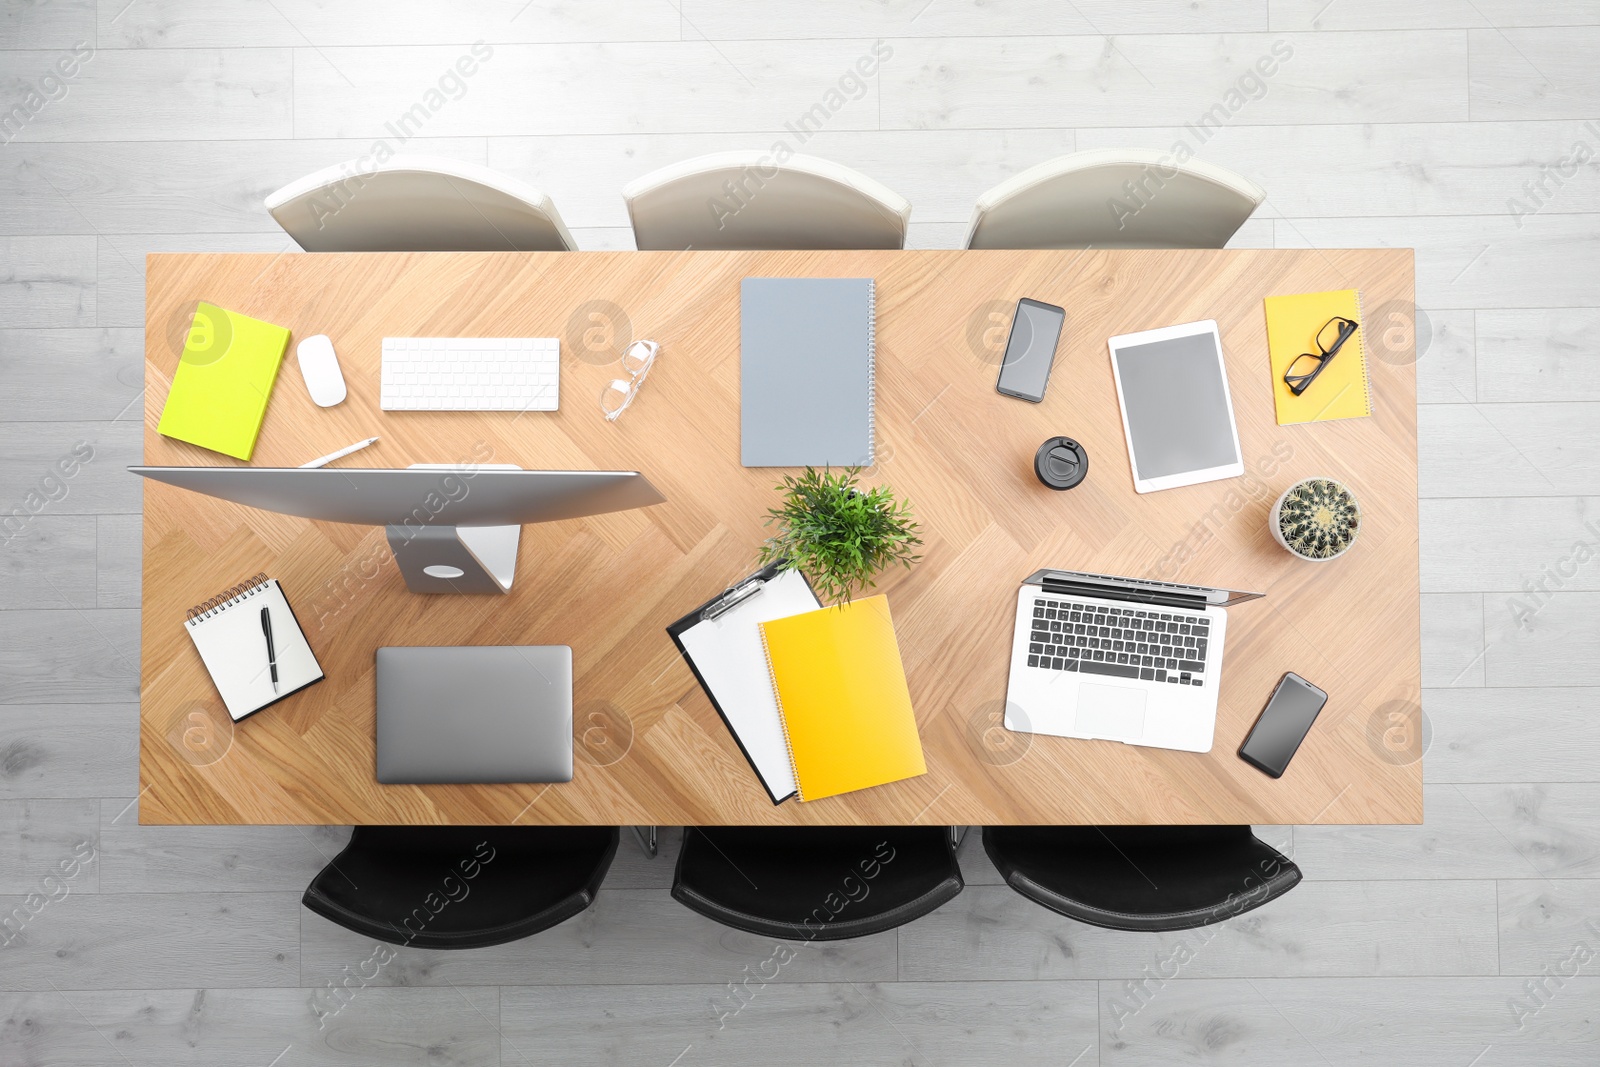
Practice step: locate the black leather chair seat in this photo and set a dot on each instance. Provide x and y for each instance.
(816, 883)
(1141, 877)
(461, 886)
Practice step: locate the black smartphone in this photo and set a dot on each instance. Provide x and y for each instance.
(1283, 724)
(1030, 350)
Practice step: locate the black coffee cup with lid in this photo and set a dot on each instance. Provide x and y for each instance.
(1061, 463)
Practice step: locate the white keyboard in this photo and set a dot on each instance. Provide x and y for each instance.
(471, 374)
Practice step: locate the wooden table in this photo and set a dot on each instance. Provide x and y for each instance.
(649, 747)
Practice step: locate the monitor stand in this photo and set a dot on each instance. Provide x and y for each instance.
(456, 559)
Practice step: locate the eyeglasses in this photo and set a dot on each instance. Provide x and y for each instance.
(636, 360)
(1306, 366)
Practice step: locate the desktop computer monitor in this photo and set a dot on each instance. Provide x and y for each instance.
(452, 528)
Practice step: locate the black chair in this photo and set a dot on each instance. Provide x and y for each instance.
(1141, 877)
(816, 883)
(461, 886)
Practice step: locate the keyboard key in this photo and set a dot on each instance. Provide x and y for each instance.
(1033, 661)
(1115, 670)
(1161, 674)
(1069, 665)
(1190, 665)
(1147, 674)
(1035, 647)
(1184, 678)
(1058, 661)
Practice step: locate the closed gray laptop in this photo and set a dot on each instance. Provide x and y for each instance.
(470, 714)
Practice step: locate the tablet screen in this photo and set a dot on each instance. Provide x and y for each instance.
(1177, 408)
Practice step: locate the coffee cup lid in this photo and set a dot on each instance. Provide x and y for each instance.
(1061, 463)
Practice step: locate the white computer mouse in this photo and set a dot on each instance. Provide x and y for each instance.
(320, 368)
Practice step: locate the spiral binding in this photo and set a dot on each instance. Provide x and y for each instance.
(872, 371)
(1366, 375)
(224, 600)
(794, 768)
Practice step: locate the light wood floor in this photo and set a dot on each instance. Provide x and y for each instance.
(1408, 124)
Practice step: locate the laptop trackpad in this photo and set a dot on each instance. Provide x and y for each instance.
(1113, 712)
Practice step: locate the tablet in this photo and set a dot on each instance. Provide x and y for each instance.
(1177, 414)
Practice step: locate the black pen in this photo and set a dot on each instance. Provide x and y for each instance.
(272, 654)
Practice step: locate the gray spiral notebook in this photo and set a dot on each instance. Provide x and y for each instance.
(806, 350)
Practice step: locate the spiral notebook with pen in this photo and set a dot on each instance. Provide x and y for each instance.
(245, 636)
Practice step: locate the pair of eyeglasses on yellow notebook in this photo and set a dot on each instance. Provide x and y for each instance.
(1299, 375)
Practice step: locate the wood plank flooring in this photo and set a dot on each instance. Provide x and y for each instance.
(1412, 123)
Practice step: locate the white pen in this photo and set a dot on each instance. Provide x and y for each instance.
(343, 452)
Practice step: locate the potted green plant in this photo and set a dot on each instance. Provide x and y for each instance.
(838, 534)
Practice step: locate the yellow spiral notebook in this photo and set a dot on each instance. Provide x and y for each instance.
(843, 698)
(1342, 390)
(220, 389)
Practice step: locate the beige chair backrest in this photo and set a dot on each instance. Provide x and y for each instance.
(1115, 199)
(417, 204)
(744, 200)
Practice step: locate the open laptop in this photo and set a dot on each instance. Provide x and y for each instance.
(470, 714)
(1118, 659)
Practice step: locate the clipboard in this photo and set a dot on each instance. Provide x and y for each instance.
(726, 633)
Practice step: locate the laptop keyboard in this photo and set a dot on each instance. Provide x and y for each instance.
(1121, 642)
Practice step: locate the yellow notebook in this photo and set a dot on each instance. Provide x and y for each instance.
(1342, 390)
(843, 698)
(219, 393)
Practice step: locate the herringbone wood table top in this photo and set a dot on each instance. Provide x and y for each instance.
(650, 748)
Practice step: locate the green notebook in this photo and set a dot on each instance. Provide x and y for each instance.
(219, 393)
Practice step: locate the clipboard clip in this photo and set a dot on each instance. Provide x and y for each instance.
(732, 597)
